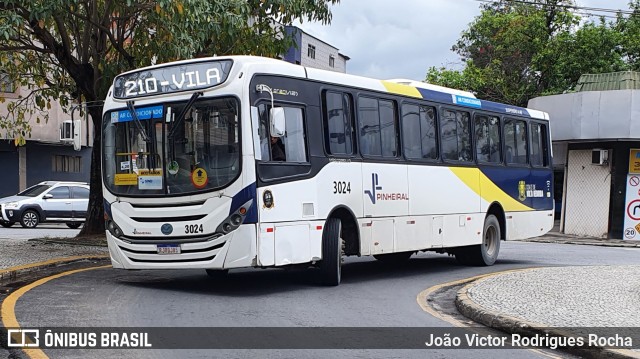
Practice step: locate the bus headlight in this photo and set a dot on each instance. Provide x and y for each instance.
(114, 229)
(235, 219)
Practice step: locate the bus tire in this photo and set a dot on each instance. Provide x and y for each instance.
(484, 254)
(393, 258)
(331, 263)
(217, 274)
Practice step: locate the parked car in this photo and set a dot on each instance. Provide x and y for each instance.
(50, 201)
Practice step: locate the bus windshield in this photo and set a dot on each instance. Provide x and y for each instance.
(159, 152)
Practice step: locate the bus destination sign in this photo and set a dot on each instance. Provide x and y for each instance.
(172, 78)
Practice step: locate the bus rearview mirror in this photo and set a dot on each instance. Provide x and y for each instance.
(276, 118)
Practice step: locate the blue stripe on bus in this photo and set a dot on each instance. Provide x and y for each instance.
(243, 197)
(437, 96)
(508, 179)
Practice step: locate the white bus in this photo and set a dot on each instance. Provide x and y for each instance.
(241, 161)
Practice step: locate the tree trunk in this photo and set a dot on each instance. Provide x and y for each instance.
(94, 223)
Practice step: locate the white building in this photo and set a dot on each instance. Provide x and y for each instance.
(312, 52)
(596, 155)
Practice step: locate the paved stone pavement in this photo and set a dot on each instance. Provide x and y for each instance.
(18, 253)
(589, 296)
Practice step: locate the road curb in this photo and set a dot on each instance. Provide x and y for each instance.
(590, 242)
(10, 274)
(68, 242)
(512, 325)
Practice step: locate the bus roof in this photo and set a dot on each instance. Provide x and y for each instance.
(409, 88)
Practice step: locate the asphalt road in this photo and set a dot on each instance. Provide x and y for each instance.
(371, 295)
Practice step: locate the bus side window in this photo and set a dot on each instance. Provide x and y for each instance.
(377, 124)
(539, 148)
(487, 130)
(289, 148)
(294, 139)
(455, 134)
(419, 132)
(338, 123)
(515, 139)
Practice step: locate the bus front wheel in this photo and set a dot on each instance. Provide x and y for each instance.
(484, 254)
(332, 248)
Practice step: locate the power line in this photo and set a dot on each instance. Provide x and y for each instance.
(581, 10)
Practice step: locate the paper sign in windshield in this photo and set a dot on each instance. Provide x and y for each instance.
(150, 179)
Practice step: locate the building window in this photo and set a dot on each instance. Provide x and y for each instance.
(419, 132)
(61, 163)
(311, 51)
(332, 61)
(455, 133)
(6, 85)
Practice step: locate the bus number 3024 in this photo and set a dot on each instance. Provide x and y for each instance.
(341, 187)
(193, 228)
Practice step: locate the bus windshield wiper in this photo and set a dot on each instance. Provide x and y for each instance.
(136, 120)
(183, 112)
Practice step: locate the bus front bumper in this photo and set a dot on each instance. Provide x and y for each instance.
(234, 250)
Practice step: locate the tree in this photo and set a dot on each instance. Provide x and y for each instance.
(629, 28)
(516, 50)
(70, 51)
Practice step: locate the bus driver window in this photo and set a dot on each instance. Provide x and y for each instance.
(289, 148)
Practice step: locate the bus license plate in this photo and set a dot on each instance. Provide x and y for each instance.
(168, 249)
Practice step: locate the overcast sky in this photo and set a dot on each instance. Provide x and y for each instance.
(402, 38)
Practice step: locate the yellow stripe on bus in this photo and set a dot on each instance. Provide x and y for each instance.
(401, 89)
(485, 188)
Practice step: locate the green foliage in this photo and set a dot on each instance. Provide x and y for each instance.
(515, 51)
(629, 29)
(69, 51)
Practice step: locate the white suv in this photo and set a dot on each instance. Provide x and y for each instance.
(50, 201)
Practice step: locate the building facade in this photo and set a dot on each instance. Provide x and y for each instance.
(312, 52)
(596, 155)
(49, 152)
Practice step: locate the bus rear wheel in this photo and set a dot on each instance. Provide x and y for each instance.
(484, 254)
(332, 250)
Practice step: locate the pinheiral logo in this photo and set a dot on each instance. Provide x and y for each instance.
(375, 193)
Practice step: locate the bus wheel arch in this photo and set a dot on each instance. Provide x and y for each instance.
(350, 229)
(496, 209)
(486, 253)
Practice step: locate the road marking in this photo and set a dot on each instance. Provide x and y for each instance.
(50, 262)
(8, 314)
(422, 302)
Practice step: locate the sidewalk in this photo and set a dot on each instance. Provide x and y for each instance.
(578, 300)
(25, 252)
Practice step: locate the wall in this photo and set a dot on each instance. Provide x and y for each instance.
(9, 181)
(587, 196)
(39, 165)
(601, 115)
(323, 51)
